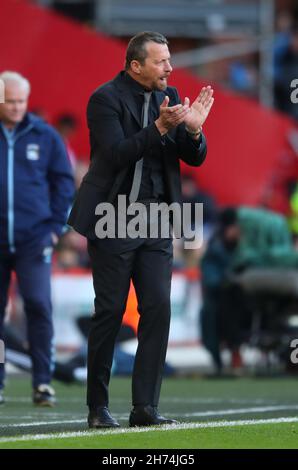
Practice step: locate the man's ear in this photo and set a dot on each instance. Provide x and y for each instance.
(135, 66)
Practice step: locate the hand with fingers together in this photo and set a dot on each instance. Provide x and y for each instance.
(193, 117)
(171, 116)
(199, 110)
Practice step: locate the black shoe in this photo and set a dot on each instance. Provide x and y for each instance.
(100, 417)
(148, 416)
(44, 395)
(1, 398)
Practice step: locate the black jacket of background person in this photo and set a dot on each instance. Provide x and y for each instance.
(118, 141)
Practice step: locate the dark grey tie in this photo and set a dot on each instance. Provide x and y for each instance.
(137, 177)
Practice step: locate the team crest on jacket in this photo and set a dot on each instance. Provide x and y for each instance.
(32, 151)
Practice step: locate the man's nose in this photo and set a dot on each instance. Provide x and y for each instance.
(169, 68)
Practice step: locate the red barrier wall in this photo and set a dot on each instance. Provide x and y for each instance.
(66, 61)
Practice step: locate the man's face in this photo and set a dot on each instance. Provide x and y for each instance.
(16, 102)
(154, 73)
(232, 233)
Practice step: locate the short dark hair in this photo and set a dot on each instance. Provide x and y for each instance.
(227, 217)
(67, 119)
(136, 49)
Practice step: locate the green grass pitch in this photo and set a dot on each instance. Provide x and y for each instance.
(242, 413)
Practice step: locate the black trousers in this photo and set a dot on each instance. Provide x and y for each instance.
(115, 262)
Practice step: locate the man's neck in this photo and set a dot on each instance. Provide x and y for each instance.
(8, 125)
(136, 79)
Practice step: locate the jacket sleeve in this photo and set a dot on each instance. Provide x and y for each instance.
(104, 116)
(193, 152)
(61, 183)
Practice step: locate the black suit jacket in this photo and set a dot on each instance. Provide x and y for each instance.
(118, 141)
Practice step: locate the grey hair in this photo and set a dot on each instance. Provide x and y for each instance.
(136, 49)
(8, 77)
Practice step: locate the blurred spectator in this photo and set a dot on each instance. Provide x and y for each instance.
(72, 252)
(247, 241)
(192, 194)
(244, 77)
(282, 40)
(36, 188)
(222, 302)
(280, 193)
(67, 258)
(287, 71)
(41, 113)
(67, 124)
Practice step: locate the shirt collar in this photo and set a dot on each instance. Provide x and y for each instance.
(136, 86)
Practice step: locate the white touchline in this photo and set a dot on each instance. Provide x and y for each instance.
(235, 411)
(43, 423)
(232, 411)
(213, 424)
(215, 400)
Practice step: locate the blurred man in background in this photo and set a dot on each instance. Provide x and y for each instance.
(36, 190)
(67, 124)
(250, 258)
(288, 71)
(223, 303)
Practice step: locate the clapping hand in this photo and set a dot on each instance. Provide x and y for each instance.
(193, 116)
(199, 109)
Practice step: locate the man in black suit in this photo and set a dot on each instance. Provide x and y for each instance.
(138, 132)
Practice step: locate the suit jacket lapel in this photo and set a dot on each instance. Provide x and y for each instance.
(128, 97)
(131, 103)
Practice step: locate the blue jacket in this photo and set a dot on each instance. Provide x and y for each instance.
(36, 183)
